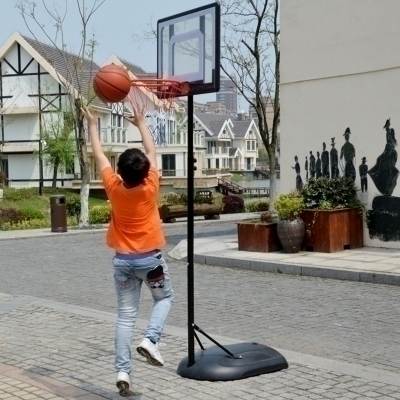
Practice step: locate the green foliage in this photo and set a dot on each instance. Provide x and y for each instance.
(329, 194)
(289, 206)
(59, 149)
(174, 199)
(25, 224)
(262, 154)
(32, 213)
(232, 204)
(200, 199)
(13, 194)
(74, 206)
(100, 215)
(257, 206)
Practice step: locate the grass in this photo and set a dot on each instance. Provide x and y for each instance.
(43, 202)
(32, 200)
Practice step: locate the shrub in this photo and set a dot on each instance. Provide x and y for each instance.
(100, 215)
(32, 213)
(25, 224)
(173, 199)
(232, 204)
(10, 215)
(14, 194)
(257, 206)
(199, 199)
(324, 193)
(74, 206)
(289, 206)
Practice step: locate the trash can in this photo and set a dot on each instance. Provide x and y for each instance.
(58, 213)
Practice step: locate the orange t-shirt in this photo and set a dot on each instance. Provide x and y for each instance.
(135, 225)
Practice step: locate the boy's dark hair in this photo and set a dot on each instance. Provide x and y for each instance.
(133, 166)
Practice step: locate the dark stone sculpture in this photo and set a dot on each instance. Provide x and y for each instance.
(334, 161)
(325, 161)
(348, 152)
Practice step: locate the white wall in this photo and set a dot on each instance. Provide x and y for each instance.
(23, 166)
(22, 127)
(340, 68)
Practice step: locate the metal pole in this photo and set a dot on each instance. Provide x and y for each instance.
(40, 168)
(190, 232)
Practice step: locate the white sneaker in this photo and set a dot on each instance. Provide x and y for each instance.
(123, 384)
(149, 350)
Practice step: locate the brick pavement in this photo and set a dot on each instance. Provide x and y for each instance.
(342, 321)
(69, 355)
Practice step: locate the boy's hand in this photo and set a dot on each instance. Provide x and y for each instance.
(90, 118)
(138, 118)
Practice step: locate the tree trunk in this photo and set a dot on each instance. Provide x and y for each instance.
(55, 171)
(272, 180)
(84, 165)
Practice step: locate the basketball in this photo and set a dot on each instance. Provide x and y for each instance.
(112, 83)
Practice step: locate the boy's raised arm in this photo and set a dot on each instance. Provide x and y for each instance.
(139, 121)
(101, 160)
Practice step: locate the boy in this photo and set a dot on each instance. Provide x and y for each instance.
(136, 235)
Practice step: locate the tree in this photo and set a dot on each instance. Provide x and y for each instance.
(77, 73)
(59, 144)
(250, 56)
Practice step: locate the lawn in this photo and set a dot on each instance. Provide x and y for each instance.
(26, 209)
(30, 198)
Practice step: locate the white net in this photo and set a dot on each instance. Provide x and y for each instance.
(158, 97)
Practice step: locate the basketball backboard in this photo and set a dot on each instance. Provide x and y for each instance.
(188, 48)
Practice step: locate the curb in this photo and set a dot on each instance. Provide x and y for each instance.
(300, 270)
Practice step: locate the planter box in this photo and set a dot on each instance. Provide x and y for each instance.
(256, 236)
(333, 231)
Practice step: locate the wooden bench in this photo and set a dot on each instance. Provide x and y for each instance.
(168, 214)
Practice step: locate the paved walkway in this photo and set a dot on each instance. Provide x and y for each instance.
(57, 315)
(52, 350)
(373, 265)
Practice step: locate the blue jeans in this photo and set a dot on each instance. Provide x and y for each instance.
(130, 271)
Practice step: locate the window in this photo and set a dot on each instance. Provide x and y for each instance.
(248, 145)
(168, 165)
(253, 144)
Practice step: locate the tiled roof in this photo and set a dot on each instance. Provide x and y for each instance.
(232, 151)
(135, 69)
(212, 121)
(240, 128)
(69, 66)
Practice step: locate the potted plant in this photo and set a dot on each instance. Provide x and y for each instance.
(333, 215)
(290, 228)
(259, 234)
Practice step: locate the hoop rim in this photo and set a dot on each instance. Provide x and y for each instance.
(169, 87)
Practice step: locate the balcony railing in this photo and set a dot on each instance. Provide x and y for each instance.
(218, 150)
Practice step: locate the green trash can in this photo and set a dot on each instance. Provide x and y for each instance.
(58, 213)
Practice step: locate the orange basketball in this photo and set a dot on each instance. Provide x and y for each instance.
(112, 83)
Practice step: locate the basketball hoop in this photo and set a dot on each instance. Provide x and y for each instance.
(159, 92)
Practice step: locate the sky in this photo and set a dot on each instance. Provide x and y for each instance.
(114, 24)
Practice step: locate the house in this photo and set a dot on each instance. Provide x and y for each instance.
(340, 103)
(36, 81)
(229, 144)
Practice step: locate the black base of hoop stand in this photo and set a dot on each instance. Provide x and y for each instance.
(219, 363)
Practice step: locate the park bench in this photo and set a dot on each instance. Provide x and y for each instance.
(169, 213)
